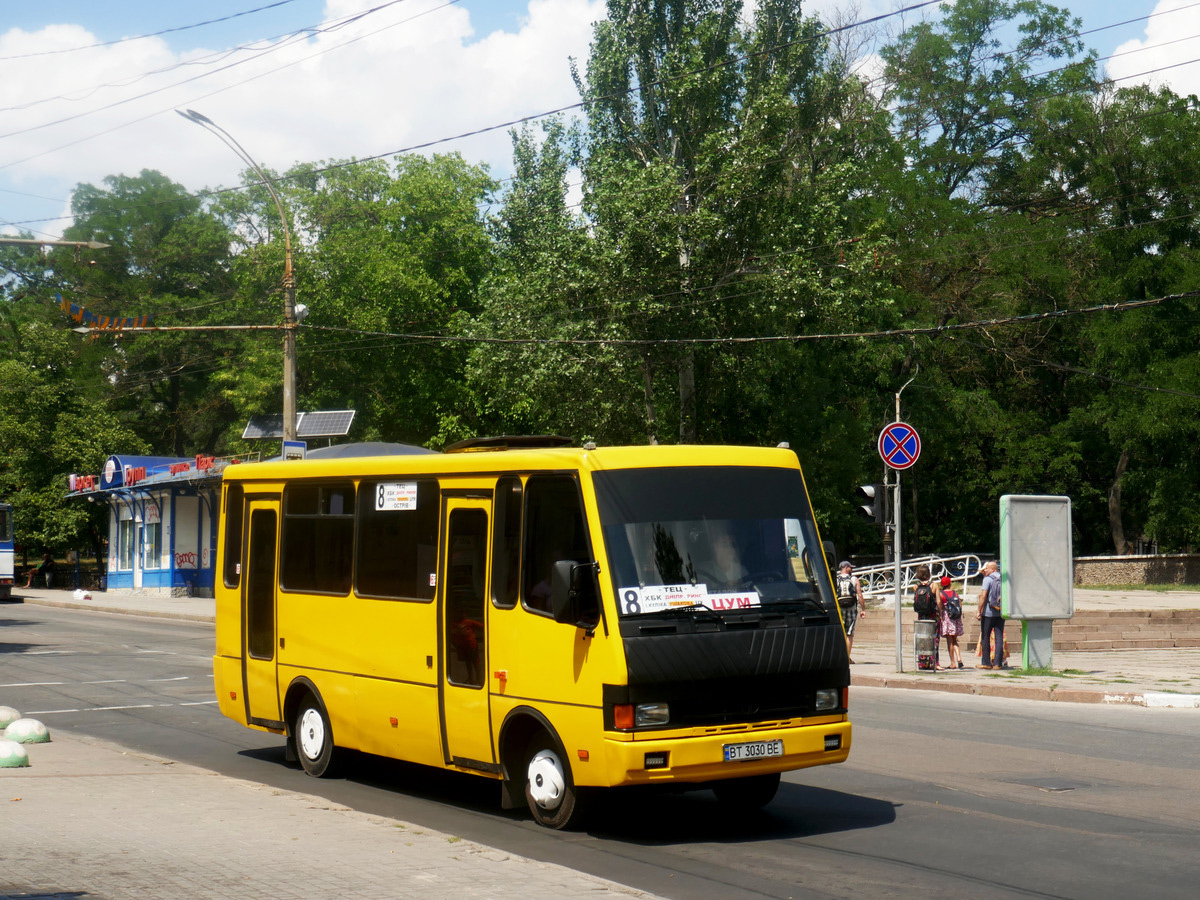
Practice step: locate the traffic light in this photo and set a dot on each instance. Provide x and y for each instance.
(872, 497)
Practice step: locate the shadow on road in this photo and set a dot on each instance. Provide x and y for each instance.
(649, 816)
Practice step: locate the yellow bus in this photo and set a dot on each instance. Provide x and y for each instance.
(557, 618)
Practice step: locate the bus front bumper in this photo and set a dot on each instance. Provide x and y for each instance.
(702, 758)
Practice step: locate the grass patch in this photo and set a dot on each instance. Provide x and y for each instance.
(1161, 588)
(1038, 671)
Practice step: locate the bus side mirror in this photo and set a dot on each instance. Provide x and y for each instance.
(573, 595)
(562, 593)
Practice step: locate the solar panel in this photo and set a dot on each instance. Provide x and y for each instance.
(324, 423)
(321, 424)
(263, 427)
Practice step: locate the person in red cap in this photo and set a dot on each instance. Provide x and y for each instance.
(950, 623)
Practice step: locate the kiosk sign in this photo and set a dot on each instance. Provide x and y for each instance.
(899, 445)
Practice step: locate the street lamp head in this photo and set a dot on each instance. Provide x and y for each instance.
(195, 116)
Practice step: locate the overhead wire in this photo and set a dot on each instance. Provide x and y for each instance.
(291, 38)
(577, 105)
(139, 37)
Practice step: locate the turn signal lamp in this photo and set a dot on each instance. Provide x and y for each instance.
(623, 716)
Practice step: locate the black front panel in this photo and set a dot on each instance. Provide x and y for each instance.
(748, 670)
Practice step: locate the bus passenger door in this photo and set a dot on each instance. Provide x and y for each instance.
(258, 614)
(462, 689)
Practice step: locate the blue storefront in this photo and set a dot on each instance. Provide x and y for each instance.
(162, 521)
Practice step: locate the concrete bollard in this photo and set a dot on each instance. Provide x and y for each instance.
(12, 755)
(27, 731)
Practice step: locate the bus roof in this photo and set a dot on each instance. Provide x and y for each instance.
(518, 460)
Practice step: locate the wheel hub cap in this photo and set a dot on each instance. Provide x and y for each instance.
(312, 734)
(546, 781)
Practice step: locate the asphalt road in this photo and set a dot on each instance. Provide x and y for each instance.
(943, 795)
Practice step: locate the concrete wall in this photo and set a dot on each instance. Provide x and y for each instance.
(1182, 568)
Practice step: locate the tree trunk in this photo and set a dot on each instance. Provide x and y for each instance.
(1114, 506)
(687, 397)
(648, 393)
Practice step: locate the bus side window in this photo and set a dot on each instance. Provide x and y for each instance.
(506, 543)
(397, 545)
(555, 529)
(317, 545)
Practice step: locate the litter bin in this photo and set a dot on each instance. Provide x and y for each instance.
(926, 644)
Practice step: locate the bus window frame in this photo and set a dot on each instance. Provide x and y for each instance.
(574, 476)
(437, 501)
(231, 564)
(503, 489)
(284, 516)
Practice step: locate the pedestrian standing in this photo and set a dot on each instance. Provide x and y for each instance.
(850, 601)
(950, 625)
(991, 619)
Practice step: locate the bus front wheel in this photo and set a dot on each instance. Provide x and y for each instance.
(549, 789)
(314, 738)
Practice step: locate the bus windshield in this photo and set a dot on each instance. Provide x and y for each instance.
(716, 537)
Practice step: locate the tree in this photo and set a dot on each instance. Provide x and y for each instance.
(388, 252)
(169, 259)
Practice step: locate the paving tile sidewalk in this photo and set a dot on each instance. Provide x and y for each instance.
(89, 818)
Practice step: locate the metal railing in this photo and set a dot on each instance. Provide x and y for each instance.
(879, 581)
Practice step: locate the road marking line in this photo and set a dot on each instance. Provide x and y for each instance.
(34, 684)
(48, 712)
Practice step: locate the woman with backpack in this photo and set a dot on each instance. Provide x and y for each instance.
(950, 624)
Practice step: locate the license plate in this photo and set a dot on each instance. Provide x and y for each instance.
(753, 750)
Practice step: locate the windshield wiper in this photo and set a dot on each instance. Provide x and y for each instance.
(681, 610)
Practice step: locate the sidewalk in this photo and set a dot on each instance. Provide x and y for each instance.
(88, 818)
(1155, 678)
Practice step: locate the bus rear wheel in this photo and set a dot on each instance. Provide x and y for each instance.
(314, 738)
(549, 789)
(747, 794)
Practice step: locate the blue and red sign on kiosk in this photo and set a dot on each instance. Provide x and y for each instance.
(899, 445)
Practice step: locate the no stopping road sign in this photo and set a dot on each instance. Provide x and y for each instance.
(899, 445)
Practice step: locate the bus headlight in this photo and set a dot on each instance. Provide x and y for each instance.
(649, 714)
(827, 699)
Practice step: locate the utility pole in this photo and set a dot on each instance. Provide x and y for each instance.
(289, 279)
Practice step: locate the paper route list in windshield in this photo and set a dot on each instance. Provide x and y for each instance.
(656, 598)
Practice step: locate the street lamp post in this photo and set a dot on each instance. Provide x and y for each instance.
(289, 279)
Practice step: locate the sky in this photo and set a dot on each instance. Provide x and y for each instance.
(89, 89)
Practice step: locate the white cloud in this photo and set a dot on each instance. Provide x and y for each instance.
(1162, 58)
(410, 74)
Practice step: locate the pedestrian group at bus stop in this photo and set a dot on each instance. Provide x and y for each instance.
(941, 607)
(937, 603)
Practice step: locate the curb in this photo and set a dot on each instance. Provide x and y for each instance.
(123, 611)
(1148, 699)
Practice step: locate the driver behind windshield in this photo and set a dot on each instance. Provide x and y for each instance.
(725, 570)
